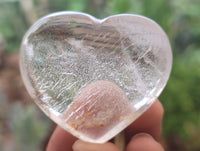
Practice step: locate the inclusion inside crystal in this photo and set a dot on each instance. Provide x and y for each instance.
(101, 107)
(95, 77)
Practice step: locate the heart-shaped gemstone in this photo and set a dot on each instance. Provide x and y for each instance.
(94, 77)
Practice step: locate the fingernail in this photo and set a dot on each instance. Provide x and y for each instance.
(77, 145)
(142, 134)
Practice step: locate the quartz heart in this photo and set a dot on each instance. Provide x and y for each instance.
(94, 77)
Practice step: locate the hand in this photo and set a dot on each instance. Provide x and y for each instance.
(142, 135)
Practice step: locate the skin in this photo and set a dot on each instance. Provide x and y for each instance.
(142, 135)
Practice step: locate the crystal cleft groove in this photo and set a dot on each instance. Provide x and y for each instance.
(64, 53)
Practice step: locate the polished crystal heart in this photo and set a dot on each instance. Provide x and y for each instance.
(94, 77)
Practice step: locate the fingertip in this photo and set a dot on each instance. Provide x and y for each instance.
(81, 145)
(149, 122)
(144, 142)
(60, 140)
(158, 107)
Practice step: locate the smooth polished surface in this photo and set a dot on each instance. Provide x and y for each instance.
(74, 65)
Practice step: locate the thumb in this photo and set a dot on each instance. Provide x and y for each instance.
(80, 146)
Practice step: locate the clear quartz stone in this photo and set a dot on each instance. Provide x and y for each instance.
(65, 55)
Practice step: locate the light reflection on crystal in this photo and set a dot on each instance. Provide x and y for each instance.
(63, 53)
